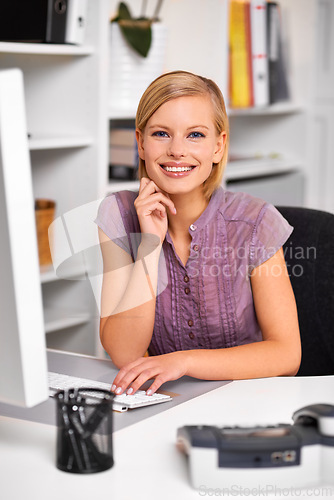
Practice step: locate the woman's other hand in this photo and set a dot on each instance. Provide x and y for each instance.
(151, 206)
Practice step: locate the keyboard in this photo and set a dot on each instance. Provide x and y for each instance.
(121, 403)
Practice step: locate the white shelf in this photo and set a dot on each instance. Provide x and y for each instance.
(45, 49)
(44, 143)
(274, 109)
(48, 275)
(121, 114)
(280, 108)
(56, 319)
(259, 167)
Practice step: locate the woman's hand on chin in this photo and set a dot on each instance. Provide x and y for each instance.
(151, 206)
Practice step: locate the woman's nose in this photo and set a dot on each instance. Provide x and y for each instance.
(177, 147)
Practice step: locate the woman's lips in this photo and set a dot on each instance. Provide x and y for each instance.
(177, 169)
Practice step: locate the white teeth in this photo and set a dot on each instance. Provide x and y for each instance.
(177, 169)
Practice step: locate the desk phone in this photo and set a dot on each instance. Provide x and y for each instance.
(282, 455)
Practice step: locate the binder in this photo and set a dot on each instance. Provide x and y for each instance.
(33, 21)
(76, 21)
(123, 155)
(240, 79)
(120, 136)
(278, 86)
(259, 52)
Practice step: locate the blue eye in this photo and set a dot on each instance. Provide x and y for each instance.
(160, 133)
(195, 135)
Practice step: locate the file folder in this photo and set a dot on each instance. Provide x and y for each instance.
(33, 21)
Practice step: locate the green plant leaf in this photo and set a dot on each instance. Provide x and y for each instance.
(123, 11)
(138, 34)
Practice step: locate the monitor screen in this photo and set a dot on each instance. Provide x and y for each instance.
(23, 362)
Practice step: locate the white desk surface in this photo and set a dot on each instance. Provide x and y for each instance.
(147, 464)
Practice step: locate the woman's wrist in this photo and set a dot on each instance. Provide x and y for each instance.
(149, 243)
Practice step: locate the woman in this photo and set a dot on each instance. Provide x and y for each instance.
(193, 274)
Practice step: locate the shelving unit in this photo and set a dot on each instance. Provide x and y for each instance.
(280, 131)
(66, 92)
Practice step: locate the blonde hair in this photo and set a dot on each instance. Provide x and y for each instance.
(180, 84)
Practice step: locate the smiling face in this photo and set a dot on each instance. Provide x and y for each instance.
(180, 144)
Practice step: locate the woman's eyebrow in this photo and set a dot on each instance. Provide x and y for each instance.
(198, 126)
(158, 126)
(168, 128)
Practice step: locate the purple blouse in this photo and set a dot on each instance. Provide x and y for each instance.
(207, 303)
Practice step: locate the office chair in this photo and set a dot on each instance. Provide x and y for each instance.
(309, 254)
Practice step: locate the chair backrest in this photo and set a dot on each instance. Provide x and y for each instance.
(309, 254)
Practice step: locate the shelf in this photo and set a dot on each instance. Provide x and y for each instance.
(56, 319)
(48, 275)
(258, 167)
(275, 109)
(44, 143)
(280, 108)
(121, 114)
(45, 49)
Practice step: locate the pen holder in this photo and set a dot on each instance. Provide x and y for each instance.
(84, 430)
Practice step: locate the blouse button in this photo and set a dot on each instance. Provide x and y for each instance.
(191, 335)
(193, 227)
(187, 291)
(196, 247)
(186, 279)
(190, 322)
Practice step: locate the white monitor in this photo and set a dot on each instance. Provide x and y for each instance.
(23, 362)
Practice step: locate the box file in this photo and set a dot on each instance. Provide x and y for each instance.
(34, 21)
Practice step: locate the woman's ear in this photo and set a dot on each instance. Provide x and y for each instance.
(140, 142)
(220, 147)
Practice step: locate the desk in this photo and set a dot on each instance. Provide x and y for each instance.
(104, 370)
(147, 464)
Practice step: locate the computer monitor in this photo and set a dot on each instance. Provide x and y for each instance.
(23, 362)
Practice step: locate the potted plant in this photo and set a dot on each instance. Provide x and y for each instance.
(137, 31)
(137, 53)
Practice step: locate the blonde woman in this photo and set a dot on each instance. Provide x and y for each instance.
(193, 274)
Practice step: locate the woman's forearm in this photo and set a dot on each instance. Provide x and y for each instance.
(126, 328)
(267, 358)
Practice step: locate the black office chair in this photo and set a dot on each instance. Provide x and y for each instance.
(309, 254)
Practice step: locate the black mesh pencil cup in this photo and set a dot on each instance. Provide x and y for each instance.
(84, 430)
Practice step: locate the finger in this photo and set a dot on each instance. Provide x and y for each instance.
(143, 377)
(135, 377)
(119, 379)
(157, 208)
(159, 380)
(147, 186)
(144, 203)
(129, 383)
(144, 181)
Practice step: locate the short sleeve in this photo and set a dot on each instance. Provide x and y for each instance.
(109, 219)
(271, 231)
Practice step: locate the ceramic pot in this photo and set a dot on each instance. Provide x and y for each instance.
(130, 73)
